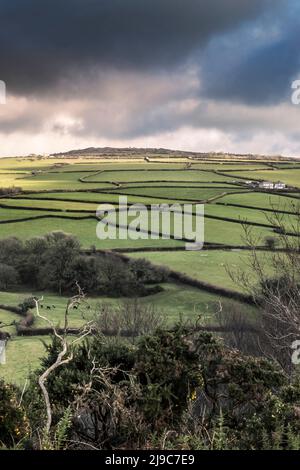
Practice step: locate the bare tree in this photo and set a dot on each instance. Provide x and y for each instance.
(237, 329)
(66, 355)
(273, 280)
(138, 319)
(131, 318)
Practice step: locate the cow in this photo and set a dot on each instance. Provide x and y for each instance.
(4, 336)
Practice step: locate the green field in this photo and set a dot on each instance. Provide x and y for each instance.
(290, 177)
(263, 201)
(210, 266)
(175, 303)
(64, 195)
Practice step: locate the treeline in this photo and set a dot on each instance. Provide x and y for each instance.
(55, 262)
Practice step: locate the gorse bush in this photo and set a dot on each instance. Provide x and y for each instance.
(182, 380)
(14, 424)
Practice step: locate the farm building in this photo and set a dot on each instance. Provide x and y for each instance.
(279, 185)
(252, 184)
(266, 185)
(270, 185)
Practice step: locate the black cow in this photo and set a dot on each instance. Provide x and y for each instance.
(4, 336)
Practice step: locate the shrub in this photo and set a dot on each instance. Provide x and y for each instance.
(14, 425)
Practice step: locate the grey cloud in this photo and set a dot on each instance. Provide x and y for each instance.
(252, 72)
(49, 42)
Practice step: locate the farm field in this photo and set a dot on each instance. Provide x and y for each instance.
(290, 177)
(175, 302)
(282, 202)
(60, 194)
(211, 266)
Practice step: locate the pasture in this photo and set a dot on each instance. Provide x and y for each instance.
(63, 195)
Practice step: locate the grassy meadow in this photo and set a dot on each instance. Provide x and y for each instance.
(63, 195)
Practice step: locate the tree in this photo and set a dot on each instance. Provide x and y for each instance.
(8, 277)
(274, 284)
(62, 249)
(131, 319)
(32, 261)
(65, 354)
(11, 249)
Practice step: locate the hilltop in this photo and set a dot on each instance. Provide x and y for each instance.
(131, 152)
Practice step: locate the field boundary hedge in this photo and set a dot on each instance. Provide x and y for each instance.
(261, 209)
(11, 309)
(50, 216)
(26, 321)
(207, 247)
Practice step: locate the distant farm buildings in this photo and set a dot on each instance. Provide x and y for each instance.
(270, 185)
(266, 185)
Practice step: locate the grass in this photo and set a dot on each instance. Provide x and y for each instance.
(175, 303)
(59, 205)
(261, 200)
(176, 300)
(230, 166)
(56, 315)
(249, 215)
(290, 177)
(23, 356)
(93, 197)
(152, 175)
(210, 266)
(84, 230)
(181, 194)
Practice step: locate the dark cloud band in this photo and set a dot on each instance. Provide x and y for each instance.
(44, 42)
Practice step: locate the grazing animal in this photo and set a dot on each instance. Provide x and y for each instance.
(75, 307)
(42, 306)
(48, 307)
(53, 306)
(4, 336)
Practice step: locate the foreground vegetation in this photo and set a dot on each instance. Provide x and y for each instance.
(176, 389)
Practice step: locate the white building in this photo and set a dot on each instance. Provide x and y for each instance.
(279, 185)
(266, 185)
(270, 185)
(252, 184)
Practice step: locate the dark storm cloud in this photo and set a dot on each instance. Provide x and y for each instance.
(263, 76)
(256, 65)
(43, 43)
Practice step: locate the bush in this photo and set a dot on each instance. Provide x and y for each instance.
(14, 425)
(209, 395)
(26, 305)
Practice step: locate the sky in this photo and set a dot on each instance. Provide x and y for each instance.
(198, 75)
